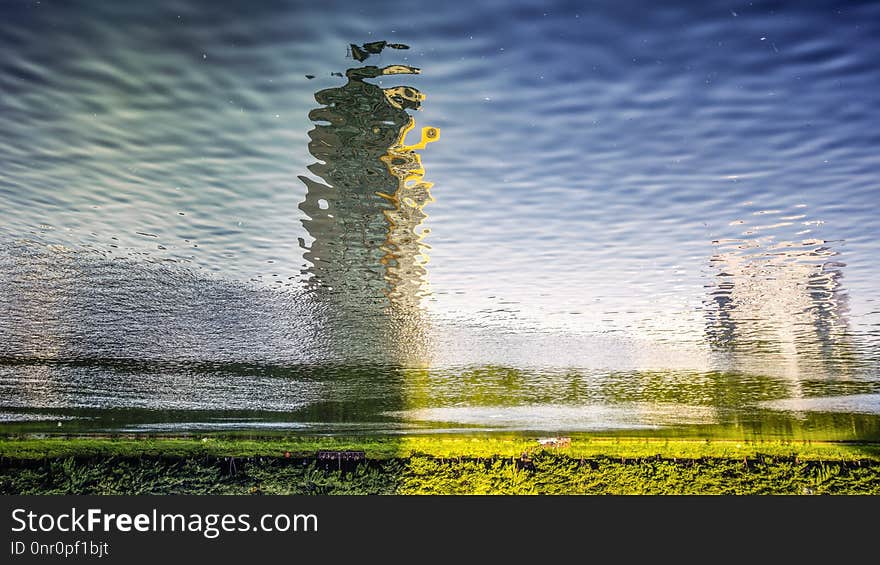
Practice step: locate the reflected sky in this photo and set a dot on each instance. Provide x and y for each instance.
(590, 157)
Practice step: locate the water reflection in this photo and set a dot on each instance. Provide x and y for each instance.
(777, 303)
(146, 396)
(367, 257)
(608, 152)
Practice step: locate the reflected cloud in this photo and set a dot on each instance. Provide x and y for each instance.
(554, 418)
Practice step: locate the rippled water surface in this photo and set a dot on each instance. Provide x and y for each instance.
(415, 216)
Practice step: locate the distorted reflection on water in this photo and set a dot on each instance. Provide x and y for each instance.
(636, 218)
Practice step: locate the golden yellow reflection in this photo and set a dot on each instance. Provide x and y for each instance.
(405, 256)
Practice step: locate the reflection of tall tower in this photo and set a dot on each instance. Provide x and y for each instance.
(778, 305)
(367, 260)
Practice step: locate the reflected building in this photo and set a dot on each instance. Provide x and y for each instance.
(778, 306)
(366, 261)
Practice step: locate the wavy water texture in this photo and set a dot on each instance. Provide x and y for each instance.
(620, 188)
